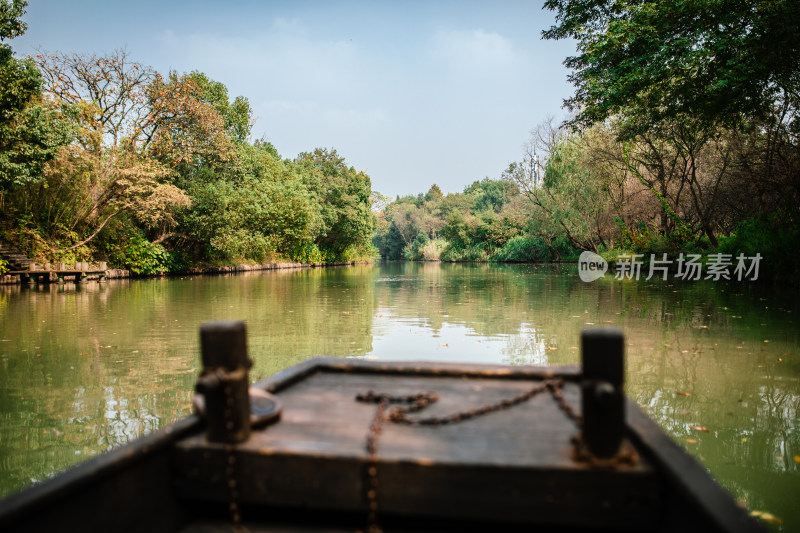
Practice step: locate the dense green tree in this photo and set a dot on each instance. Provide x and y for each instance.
(11, 23)
(344, 196)
(185, 130)
(236, 114)
(713, 61)
(266, 210)
(491, 194)
(31, 129)
(255, 220)
(390, 243)
(434, 193)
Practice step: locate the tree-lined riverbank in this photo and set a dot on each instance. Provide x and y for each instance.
(103, 158)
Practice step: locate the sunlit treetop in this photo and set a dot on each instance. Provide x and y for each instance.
(11, 24)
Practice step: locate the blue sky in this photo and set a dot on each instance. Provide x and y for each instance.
(413, 93)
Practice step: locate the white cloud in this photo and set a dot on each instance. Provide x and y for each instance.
(292, 26)
(345, 117)
(473, 49)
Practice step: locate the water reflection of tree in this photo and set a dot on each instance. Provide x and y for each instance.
(530, 348)
(735, 409)
(68, 350)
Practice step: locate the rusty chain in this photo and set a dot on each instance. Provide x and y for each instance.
(230, 467)
(416, 403)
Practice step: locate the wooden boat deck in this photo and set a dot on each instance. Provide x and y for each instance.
(505, 465)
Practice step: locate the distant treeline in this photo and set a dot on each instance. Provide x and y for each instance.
(684, 136)
(735, 192)
(104, 158)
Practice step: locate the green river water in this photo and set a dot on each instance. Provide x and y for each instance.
(716, 364)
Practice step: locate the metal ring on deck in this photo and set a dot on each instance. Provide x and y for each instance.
(265, 408)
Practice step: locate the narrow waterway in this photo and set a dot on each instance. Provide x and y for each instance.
(717, 365)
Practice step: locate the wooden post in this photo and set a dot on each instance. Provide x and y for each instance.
(602, 393)
(224, 381)
(26, 278)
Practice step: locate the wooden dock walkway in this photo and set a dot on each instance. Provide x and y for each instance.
(80, 273)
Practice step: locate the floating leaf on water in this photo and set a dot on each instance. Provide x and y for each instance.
(797, 459)
(692, 441)
(698, 427)
(769, 518)
(681, 393)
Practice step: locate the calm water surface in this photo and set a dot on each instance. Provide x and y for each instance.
(716, 365)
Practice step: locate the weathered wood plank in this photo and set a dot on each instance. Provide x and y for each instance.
(513, 465)
(289, 376)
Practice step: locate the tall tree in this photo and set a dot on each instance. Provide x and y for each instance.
(31, 132)
(713, 61)
(183, 129)
(236, 114)
(127, 117)
(344, 196)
